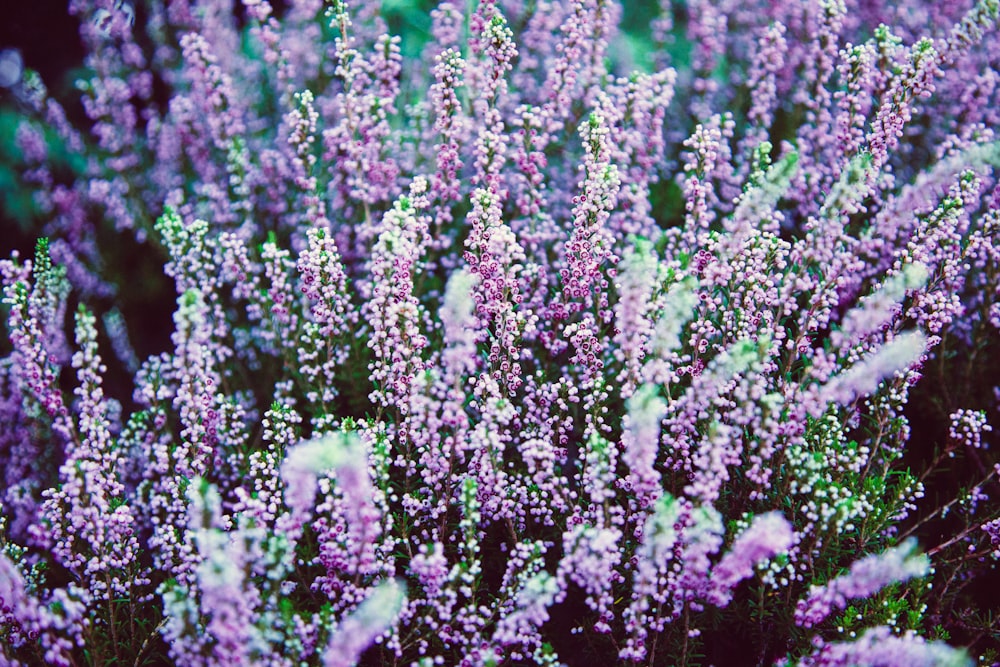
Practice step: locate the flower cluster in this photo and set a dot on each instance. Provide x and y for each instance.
(551, 334)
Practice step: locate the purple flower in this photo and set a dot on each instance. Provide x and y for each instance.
(375, 616)
(866, 577)
(338, 453)
(880, 647)
(767, 536)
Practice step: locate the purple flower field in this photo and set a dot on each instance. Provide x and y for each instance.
(503, 332)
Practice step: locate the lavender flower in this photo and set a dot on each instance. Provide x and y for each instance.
(340, 453)
(641, 439)
(366, 624)
(866, 576)
(767, 536)
(880, 647)
(968, 426)
(863, 378)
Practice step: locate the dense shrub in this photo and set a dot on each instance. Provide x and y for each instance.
(546, 342)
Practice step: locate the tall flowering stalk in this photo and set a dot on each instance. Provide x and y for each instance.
(864, 578)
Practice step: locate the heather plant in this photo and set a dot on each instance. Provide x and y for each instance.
(542, 333)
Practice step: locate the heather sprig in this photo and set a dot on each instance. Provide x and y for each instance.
(865, 577)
